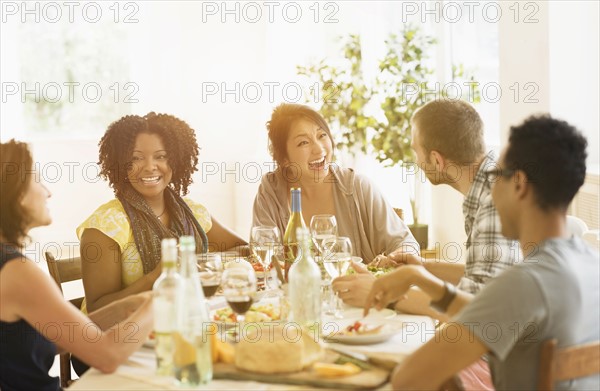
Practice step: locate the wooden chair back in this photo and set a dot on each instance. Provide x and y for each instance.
(567, 363)
(61, 271)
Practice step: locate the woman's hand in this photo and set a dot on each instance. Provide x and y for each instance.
(353, 289)
(119, 310)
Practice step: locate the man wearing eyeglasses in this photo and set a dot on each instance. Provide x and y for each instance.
(447, 137)
(553, 293)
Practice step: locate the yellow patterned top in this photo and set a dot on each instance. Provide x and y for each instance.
(111, 219)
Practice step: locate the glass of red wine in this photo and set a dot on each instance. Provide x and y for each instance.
(210, 270)
(239, 288)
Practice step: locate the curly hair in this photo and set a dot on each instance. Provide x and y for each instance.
(282, 119)
(16, 163)
(179, 139)
(552, 154)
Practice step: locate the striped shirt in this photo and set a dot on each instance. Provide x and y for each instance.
(488, 252)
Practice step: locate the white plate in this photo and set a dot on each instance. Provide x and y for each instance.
(352, 314)
(366, 339)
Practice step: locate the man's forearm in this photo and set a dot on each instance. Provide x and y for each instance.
(451, 272)
(433, 286)
(437, 360)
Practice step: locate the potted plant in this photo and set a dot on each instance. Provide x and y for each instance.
(373, 116)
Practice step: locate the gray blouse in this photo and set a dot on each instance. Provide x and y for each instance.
(361, 212)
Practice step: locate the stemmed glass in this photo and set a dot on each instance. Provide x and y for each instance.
(264, 241)
(336, 262)
(210, 269)
(239, 288)
(322, 227)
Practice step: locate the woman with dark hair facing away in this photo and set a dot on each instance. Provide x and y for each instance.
(148, 161)
(35, 320)
(302, 146)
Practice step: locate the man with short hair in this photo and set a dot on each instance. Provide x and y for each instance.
(447, 137)
(553, 293)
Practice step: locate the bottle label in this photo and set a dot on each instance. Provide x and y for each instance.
(164, 315)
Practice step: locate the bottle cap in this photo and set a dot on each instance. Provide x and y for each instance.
(169, 249)
(187, 242)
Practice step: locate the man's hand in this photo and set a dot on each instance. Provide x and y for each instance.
(402, 258)
(391, 287)
(353, 289)
(381, 261)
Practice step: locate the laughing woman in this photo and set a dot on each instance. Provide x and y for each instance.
(35, 319)
(302, 146)
(148, 161)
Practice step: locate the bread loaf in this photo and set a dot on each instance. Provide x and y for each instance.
(283, 348)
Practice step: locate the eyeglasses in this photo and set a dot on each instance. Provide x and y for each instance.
(493, 175)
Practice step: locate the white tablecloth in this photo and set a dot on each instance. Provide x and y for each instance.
(138, 373)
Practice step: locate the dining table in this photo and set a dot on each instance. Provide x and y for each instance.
(139, 371)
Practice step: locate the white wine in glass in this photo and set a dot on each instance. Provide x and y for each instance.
(263, 243)
(336, 262)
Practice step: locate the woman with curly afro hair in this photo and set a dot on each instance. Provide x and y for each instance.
(149, 162)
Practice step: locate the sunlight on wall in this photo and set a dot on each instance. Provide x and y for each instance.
(224, 78)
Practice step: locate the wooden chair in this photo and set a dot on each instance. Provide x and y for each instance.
(568, 363)
(61, 271)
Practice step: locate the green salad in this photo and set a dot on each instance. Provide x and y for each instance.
(376, 271)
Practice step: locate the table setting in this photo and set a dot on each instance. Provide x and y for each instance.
(257, 343)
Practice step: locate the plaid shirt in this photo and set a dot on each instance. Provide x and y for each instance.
(488, 252)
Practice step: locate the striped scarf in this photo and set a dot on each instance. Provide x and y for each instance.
(148, 231)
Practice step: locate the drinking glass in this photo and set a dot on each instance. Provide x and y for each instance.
(264, 241)
(322, 227)
(210, 269)
(239, 288)
(336, 262)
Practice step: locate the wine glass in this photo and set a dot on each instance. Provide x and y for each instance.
(337, 261)
(322, 227)
(264, 241)
(210, 269)
(239, 288)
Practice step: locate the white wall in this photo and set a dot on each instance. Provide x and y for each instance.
(172, 53)
(574, 69)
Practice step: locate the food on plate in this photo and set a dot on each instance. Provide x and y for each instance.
(276, 349)
(375, 270)
(220, 350)
(257, 313)
(358, 328)
(380, 271)
(225, 352)
(335, 370)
